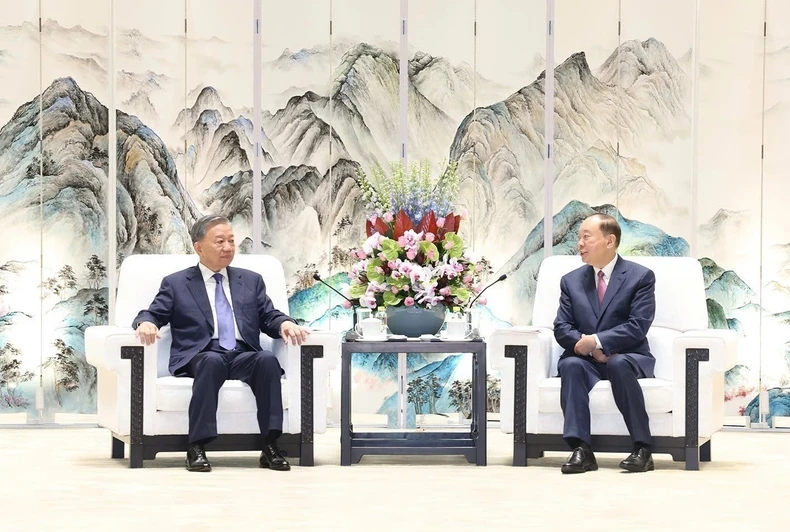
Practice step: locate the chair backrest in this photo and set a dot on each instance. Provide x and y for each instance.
(680, 302)
(141, 276)
(680, 290)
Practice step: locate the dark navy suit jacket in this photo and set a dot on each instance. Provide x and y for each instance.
(621, 321)
(183, 302)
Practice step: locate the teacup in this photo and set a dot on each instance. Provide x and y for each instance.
(457, 329)
(371, 328)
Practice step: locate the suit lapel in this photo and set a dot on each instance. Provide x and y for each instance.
(197, 286)
(237, 291)
(615, 283)
(589, 289)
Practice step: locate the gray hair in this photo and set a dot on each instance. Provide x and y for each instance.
(201, 226)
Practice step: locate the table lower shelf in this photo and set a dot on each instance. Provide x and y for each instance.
(414, 443)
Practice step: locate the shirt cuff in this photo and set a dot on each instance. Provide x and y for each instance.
(597, 342)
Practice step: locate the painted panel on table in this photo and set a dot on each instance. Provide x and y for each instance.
(775, 335)
(75, 219)
(20, 183)
(219, 139)
(728, 200)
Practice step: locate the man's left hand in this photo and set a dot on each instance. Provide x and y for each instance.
(289, 331)
(585, 346)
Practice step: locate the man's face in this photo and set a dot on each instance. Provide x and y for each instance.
(595, 248)
(217, 248)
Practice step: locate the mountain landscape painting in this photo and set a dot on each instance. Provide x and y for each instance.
(330, 104)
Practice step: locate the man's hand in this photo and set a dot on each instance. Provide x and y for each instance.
(598, 355)
(289, 331)
(584, 346)
(147, 333)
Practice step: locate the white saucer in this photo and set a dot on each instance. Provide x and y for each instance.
(374, 339)
(444, 338)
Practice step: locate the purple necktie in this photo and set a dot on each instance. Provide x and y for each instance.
(227, 332)
(601, 287)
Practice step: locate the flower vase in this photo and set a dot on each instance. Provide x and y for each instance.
(415, 321)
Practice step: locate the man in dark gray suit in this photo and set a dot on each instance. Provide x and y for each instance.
(216, 314)
(606, 309)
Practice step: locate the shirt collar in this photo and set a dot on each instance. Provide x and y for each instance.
(208, 274)
(608, 269)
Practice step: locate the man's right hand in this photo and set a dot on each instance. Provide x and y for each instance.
(598, 355)
(147, 333)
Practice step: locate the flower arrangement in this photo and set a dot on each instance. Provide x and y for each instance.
(413, 255)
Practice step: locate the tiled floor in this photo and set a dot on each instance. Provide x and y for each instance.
(63, 479)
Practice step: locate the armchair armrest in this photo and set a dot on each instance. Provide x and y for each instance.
(723, 343)
(306, 368)
(117, 350)
(538, 339)
(102, 346)
(700, 360)
(530, 348)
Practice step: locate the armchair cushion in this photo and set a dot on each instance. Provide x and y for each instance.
(658, 397)
(174, 393)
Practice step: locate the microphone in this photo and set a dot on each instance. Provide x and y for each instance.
(332, 288)
(500, 278)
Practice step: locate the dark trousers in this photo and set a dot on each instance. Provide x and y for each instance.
(260, 370)
(578, 375)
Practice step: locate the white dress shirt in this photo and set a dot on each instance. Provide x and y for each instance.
(211, 290)
(607, 274)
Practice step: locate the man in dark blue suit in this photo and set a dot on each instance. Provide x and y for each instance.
(216, 314)
(606, 309)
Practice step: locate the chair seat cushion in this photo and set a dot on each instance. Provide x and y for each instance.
(658, 397)
(174, 393)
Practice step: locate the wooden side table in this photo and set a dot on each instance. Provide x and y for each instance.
(472, 444)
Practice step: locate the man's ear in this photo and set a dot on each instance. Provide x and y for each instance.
(196, 247)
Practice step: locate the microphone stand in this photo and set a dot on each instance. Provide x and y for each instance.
(500, 278)
(353, 307)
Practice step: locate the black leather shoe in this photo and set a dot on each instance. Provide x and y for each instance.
(196, 459)
(581, 460)
(639, 461)
(272, 459)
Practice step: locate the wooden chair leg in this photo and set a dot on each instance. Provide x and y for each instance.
(136, 456)
(704, 452)
(117, 448)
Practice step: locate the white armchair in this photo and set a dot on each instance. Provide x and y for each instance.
(147, 408)
(685, 400)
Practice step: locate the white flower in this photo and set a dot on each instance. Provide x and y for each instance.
(373, 242)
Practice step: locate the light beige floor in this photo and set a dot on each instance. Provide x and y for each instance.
(63, 479)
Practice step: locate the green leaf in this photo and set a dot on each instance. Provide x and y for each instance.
(426, 247)
(457, 245)
(392, 300)
(461, 292)
(390, 248)
(373, 275)
(357, 290)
